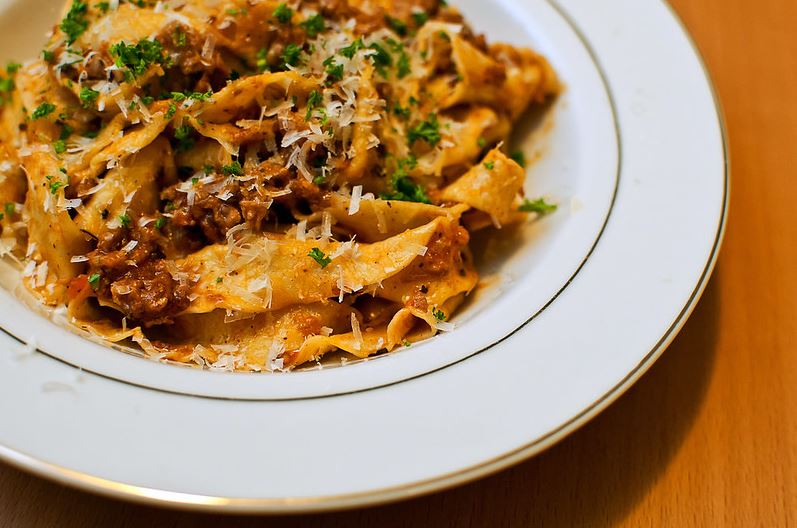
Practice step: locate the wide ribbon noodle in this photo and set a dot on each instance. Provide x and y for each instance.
(250, 185)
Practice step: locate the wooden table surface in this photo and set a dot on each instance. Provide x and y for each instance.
(709, 436)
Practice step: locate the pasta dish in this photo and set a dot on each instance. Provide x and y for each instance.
(249, 185)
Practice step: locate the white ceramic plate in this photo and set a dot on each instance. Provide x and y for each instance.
(579, 306)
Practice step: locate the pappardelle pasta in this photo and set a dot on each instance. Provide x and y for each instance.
(251, 184)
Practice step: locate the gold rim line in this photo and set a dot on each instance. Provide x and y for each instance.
(406, 491)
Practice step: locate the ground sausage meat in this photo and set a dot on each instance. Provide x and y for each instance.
(151, 294)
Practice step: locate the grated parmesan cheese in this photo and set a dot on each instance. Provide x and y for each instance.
(358, 335)
(130, 246)
(356, 196)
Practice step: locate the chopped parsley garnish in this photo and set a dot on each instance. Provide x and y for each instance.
(262, 60)
(59, 146)
(103, 6)
(55, 186)
(292, 55)
(43, 110)
(397, 25)
(283, 13)
(88, 97)
(233, 169)
(420, 18)
(137, 59)
(403, 188)
(314, 25)
(10, 208)
(539, 206)
(94, 280)
(13, 67)
(75, 22)
(6, 86)
(313, 102)
(48, 56)
(171, 111)
(180, 38)
(66, 131)
(519, 158)
(124, 220)
(490, 165)
(160, 222)
(428, 131)
(438, 314)
(382, 59)
(318, 255)
(403, 65)
(481, 142)
(402, 111)
(351, 50)
(334, 70)
(196, 96)
(184, 137)
(403, 62)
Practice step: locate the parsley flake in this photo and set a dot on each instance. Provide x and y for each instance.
(43, 110)
(184, 137)
(55, 186)
(381, 59)
(233, 169)
(318, 255)
(313, 102)
(88, 97)
(351, 50)
(428, 131)
(292, 55)
(6, 85)
(518, 158)
(262, 60)
(94, 280)
(539, 206)
(334, 70)
(314, 25)
(137, 59)
(397, 25)
(403, 188)
(75, 22)
(420, 18)
(283, 13)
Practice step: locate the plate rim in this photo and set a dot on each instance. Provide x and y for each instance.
(375, 497)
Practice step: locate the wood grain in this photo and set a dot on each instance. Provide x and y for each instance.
(708, 437)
